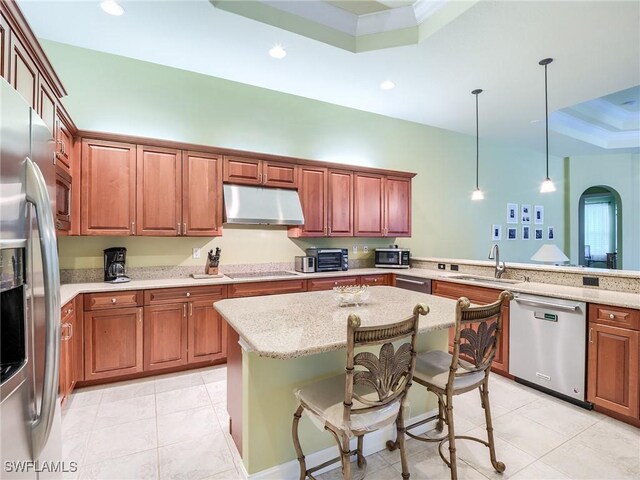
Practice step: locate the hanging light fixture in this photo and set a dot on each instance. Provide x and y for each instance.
(547, 186)
(477, 193)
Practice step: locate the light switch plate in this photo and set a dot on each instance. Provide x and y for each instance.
(196, 253)
(365, 249)
(354, 249)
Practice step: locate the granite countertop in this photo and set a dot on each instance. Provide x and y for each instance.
(590, 295)
(299, 324)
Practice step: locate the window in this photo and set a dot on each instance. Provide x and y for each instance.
(599, 231)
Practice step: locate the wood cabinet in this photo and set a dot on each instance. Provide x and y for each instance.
(64, 143)
(252, 171)
(113, 342)
(63, 202)
(165, 336)
(613, 381)
(65, 384)
(108, 188)
(254, 289)
(47, 105)
(5, 32)
(158, 191)
(480, 296)
(100, 301)
(201, 194)
(316, 284)
(23, 73)
(339, 203)
(207, 332)
(382, 205)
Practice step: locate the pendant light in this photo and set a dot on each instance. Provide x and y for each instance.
(477, 193)
(547, 186)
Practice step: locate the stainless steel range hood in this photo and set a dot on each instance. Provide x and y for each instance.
(262, 206)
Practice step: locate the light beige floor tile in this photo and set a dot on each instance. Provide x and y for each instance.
(413, 447)
(129, 389)
(223, 417)
(125, 411)
(78, 420)
(560, 416)
(121, 440)
(527, 435)
(469, 408)
(218, 392)
(187, 425)
(616, 440)
(509, 396)
(375, 463)
(226, 475)
(430, 466)
(183, 399)
(477, 455)
(166, 383)
(85, 398)
(539, 471)
(73, 450)
(199, 458)
(214, 374)
(138, 466)
(579, 462)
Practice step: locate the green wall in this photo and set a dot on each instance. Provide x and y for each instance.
(120, 95)
(621, 173)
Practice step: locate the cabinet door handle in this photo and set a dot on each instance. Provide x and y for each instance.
(612, 316)
(70, 330)
(179, 229)
(184, 310)
(264, 178)
(188, 294)
(591, 335)
(191, 309)
(259, 178)
(114, 300)
(329, 230)
(184, 228)
(133, 228)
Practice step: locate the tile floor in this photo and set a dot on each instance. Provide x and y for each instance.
(174, 427)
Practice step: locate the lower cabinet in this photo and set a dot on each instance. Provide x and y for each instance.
(113, 342)
(165, 336)
(71, 348)
(480, 296)
(206, 333)
(613, 381)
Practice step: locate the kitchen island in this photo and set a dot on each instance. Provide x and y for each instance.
(280, 342)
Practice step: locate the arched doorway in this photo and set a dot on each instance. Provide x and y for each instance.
(600, 228)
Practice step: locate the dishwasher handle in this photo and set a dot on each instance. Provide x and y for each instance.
(540, 303)
(407, 280)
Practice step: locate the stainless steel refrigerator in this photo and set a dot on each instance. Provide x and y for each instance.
(30, 430)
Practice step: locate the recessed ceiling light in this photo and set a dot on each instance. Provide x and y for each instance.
(387, 85)
(278, 52)
(112, 7)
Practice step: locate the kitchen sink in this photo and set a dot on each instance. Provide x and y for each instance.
(479, 279)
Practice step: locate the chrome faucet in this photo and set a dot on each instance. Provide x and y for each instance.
(494, 253)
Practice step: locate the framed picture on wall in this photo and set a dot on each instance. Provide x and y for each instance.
(539, 234)
(525, 213)
(512, 233)
(496, 233)
(512, 213)
(551, 235)
(526, 232)
(538, 215)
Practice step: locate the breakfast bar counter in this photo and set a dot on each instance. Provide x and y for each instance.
(280, 342)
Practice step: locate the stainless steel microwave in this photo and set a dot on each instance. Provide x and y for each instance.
(392, 257)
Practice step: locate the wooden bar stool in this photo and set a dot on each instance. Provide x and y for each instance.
(370, 395)
(477, 336)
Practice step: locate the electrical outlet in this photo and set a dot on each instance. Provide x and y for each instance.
(454, 267)
(196, 253)
(442, 266)
(354, 249)
(591, 281)
(365, 249)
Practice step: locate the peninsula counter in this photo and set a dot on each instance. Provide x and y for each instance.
(280, 342)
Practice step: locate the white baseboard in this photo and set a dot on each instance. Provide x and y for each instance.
(374, 442)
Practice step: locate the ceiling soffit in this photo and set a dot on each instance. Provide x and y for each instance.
(355, 26)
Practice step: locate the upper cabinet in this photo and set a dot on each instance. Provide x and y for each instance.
(47, 105)
(382, 206)
(158, 191)
(340, 203)
(4, 47)
(108, 188)
(23, 74)
(151, 191)
(201, 194)
(252, 171)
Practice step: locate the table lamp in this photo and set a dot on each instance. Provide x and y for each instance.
(549, 253)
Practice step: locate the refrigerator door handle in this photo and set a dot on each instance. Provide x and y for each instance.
(36, 193)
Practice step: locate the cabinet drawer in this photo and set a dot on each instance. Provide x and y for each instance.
(254, 289)
(479, 295)
(374, 280)
(99, 301)
(67, 311)
(181, 294)
(615, 316)
(329, 283)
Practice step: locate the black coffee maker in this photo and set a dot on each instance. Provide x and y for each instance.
(114, 268)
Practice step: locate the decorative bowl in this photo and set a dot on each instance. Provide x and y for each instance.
(351, 294)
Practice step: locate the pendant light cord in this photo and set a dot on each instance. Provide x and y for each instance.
(477, 145)
(546, 115)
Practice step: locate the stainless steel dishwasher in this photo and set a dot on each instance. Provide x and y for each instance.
(547, 345)
(416, 284)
